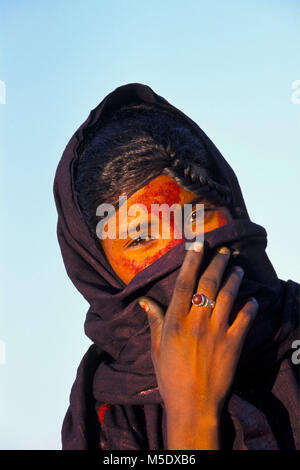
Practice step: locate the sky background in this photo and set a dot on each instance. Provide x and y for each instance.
(229, 65)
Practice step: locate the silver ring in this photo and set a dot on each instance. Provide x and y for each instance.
(200, 300)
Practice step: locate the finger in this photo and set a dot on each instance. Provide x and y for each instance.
(210, 280)
(226, 297)
(240, 327)
(185, 284)
(155, 318)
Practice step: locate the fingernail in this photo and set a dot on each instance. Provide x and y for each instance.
(197, 246)
(253, 299)
(144, 305)
(238, 270)
(224, 250)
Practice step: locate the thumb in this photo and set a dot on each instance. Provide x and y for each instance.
(155, 318)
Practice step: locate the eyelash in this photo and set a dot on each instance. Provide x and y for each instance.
(207, 209)
(143, 241)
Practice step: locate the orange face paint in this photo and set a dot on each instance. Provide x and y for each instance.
(223, 219)
(160, 190)
(129, 259)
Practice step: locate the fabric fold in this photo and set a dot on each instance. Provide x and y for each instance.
(116, 377)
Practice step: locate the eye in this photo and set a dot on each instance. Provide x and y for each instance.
(141, 241)
(200, 214)
(195, 214)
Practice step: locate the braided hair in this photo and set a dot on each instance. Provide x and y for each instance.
(134, 145)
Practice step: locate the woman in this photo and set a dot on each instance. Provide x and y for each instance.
(219, 362)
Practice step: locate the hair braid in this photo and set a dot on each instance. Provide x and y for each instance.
(134, 145)
(192, 178)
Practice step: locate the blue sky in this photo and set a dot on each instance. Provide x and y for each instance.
(229, 65)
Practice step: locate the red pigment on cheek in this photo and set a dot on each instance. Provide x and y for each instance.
(150, 259)
(222, 219)
(136, 267)
(130, 265)
(162, 251)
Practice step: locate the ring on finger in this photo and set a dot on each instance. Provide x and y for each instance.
(200, 300)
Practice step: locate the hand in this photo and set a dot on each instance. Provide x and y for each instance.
(194, 350)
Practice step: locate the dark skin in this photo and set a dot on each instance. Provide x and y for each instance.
(128, 256)
(194, 350)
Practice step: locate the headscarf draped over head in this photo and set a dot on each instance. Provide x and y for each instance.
(115, 402)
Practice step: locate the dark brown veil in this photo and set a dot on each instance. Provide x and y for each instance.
(115, 402)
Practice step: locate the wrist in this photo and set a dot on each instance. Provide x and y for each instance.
(193, 413)
(199, 431)
(196, 420)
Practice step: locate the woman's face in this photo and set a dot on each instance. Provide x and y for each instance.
(128, 256)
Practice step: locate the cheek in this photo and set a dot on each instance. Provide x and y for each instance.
(128, 265)
(222, 219)
(134, 266)
(218, 220)
(151, 258)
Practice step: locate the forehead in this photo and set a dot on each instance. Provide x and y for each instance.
(162, 189)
